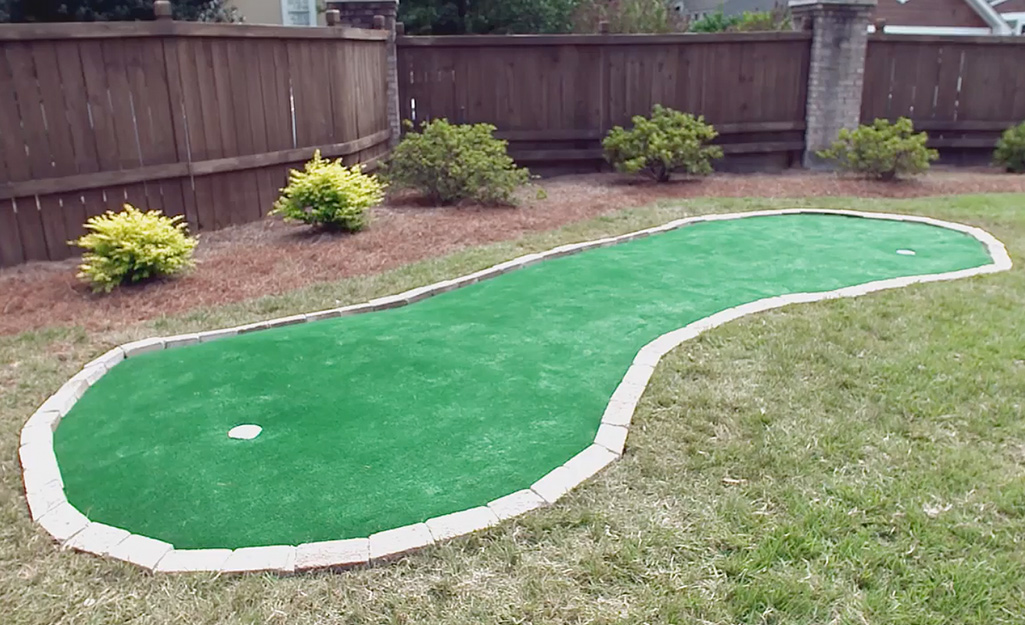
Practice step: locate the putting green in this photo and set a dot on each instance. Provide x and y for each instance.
(379, 420)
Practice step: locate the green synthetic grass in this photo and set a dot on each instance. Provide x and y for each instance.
(385, 419)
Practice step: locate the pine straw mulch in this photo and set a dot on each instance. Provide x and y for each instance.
(270, 257)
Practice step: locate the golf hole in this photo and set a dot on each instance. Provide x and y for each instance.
(245, 432)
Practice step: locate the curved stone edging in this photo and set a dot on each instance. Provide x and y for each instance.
(44, 487)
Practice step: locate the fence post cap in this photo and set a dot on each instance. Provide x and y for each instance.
(603, 27)
(162, 9)
(332, 17)
(379, 22)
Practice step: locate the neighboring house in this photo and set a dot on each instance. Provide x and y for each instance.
(287, 12)
(942, 17)
(1013, 12)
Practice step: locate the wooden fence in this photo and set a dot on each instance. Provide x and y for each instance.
(964, 91)
(203, 120)
(555, 96)
(200, 120)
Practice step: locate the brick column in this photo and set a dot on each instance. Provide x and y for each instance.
(837, 69)
(360, 14)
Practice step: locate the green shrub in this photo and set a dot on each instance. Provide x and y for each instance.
(667, 142)
(882, 150)
(717, 22)
(755, 21)
(1010, 152)
(448, 163)
(329, 195)
(133, 245)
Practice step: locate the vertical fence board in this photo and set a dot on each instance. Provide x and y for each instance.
(247, 182)
(40, 223)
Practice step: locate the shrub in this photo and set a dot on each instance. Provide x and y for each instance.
(754, 21)
(133, 245)
(329, 195)
(882, 150)
(717, 22)
(448, 163)
(1010, 152)
(668, 141)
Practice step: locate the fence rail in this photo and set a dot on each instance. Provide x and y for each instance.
(555, 96)
(200, 120)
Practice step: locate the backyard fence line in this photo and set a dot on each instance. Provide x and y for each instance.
(198, 120)
(553, 97)
(204, 120)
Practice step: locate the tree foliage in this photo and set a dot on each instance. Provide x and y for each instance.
(112, 10)
(749, 21)
(628, 16)
(461, 17)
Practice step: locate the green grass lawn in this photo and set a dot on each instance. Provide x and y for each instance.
(854, 461)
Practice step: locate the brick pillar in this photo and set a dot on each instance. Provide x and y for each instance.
(837, 69)
(360, 14)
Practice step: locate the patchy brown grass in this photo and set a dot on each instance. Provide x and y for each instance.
(270, 257)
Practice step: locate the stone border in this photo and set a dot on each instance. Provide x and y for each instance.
(44, 487)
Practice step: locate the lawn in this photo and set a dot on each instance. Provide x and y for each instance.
(854, 461)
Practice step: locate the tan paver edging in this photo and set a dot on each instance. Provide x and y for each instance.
(44, 487)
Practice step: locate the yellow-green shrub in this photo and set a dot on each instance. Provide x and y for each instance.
(1010, 152)
(882, 150)
(133, 245)
(667, 142)
(330, 195)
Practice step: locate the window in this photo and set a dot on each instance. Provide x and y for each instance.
(299, 12)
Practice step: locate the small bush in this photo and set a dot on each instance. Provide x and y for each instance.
(717, 22)
(448, 163)
(329, 195)
(756, 21)
(882, 150)
(667, 142)
(1010, 152)
(133, 246)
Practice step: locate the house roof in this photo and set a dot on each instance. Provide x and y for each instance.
(991, 16)
(962, 14)
(1008, 6)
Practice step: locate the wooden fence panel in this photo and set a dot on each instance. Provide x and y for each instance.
(200, 120)
(964, 91)
(554, 97)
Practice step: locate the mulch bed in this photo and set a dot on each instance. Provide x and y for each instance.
(270, 257)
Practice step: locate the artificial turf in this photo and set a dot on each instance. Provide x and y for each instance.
(379, 420)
